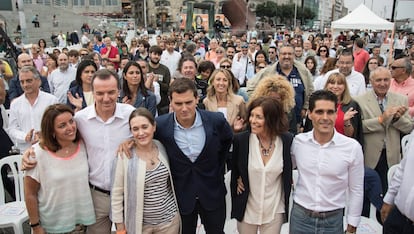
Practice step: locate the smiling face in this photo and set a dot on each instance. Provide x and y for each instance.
(105, 93)
(142, 130)
(257, 121)
(189, 70)
(323, 118)
(65, 128)
(221, 83)
(286, 56)
(336, 88)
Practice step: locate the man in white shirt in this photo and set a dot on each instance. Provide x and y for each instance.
(26, 111)
(103, 126)
(85, 39)
(329, 165)
(397, 212)
(354, 79)
(61, 78)
(170, 57)
(242, 63)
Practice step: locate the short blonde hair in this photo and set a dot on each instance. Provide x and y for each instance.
(278, 84)
(340, 79)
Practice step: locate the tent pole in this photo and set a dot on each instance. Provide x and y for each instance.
(391, 47)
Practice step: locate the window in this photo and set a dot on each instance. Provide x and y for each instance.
(95, 2)
(79, 2)
(111, 2)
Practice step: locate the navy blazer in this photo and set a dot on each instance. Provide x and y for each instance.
(240, 168)
(76, 89)
(15, 89)
(203, 179)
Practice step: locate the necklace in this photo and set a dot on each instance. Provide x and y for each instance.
(265, 152)
(152, 154)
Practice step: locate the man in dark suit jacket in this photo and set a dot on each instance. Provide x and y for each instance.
(197, 142)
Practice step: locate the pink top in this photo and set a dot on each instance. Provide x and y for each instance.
(360, 59)
(405, 88)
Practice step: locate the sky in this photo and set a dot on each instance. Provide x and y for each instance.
(383, 8)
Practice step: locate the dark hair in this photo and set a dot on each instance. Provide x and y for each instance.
(144, 43)
(82, 65)
(105, 74)
(144, 112)
(359, 43)
(276, 121)
(186, 58)
(366, 71)
(315, 64)
(73, 53)
(47, 126)
(319, 51)
(54, 58)
(182, 85)
(42, 40)
(155, 49)
(321, 95)
(346, 52)
(141, 86)
(206, 65)
(264, 54)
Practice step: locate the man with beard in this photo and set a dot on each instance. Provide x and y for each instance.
(61, 78)
(163, 76)
(296, 73)
(230, 51)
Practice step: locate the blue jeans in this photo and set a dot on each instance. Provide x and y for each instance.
(301, 222)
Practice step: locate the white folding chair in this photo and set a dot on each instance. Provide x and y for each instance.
(13, 214)
(391, 172)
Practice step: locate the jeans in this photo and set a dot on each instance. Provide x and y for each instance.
(301, 222)
(372, 191)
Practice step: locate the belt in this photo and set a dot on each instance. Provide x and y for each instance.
(316, 214)
(99, 189)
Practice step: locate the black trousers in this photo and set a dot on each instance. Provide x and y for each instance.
(397, 223)
(382, 169)
(213, 221)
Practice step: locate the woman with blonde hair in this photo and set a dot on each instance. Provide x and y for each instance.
(221, 98)
(278, 87)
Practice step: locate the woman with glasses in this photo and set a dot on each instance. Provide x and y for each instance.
(321, 56)
(133, 47)
(226, 64)
(220, 54)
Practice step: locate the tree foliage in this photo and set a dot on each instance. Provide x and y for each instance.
(284, 13)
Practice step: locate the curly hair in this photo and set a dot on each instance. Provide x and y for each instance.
(276, 84)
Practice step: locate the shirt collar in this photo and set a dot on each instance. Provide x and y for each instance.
(197, 121)
(92, 112)
(335, 139)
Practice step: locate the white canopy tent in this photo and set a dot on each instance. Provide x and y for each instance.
(362, 18)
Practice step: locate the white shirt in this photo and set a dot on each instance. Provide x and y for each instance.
(401, 187)
(24, 117)
(327, 172)
(170, 60)
(239, 67)
(102, 140)
(59, 83)
(266, 195)
(85, 40)
(355, 82)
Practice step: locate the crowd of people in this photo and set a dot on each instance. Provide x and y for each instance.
(140, 132)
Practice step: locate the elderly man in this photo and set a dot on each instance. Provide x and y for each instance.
(61, 78)
(402, 81)
(307, 49)
(27, 110)
(110, 52)
(295, 72)
(384, 119)
(354, 79)
(243, 65)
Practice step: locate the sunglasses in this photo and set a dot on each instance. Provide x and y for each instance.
(322, 51)
(260, 67)
(225, 66)
(395, 67)
(84, 54)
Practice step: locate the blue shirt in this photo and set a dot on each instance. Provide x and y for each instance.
(297, 83)
(190, 140)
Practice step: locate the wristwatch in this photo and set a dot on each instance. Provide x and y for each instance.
(32, 225)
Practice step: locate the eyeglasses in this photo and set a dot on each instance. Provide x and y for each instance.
(322, 51)
(372, 63)
(225, 66)
(253, 43)
(219, 52)
(260, 67)
(395, 67)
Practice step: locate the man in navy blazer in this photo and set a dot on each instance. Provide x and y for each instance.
(197, 142)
